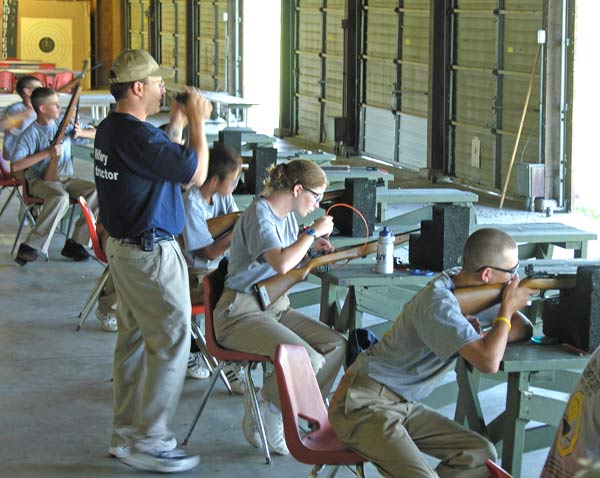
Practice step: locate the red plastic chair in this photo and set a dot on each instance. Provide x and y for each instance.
(301, 398)
(61, 79)
(198, 337)
(9, 182)
(100, 257)
(31, 201)
(46, 79)
(496, 471)
(7, 82)
(213, 288)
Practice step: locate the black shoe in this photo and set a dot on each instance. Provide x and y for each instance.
(74, 251)
(26, 254)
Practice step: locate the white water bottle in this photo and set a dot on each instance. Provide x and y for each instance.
(385, 252)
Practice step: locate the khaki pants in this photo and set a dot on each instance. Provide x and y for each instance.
(153, 341)
(391, 433)
(56, 196)
(241, 325)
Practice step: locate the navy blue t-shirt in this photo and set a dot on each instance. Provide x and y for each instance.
(138, 171)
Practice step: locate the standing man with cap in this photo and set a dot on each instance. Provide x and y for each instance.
(138, 170)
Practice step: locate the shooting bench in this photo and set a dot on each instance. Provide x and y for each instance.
(539, 380)
(426, 197)
(349, 291)
(537, 240)
(231, 103)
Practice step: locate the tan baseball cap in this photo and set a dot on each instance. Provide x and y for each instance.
(134, 65)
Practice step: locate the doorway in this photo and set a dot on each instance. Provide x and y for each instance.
(585, 102)
(261, 62)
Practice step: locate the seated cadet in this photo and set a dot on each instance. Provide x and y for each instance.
(18, 116)
(266, 242)
(577, 442)
(376, 410)
(203, 253)
(34, 153)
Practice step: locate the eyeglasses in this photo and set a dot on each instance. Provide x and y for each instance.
(512, 271)
(160, 83)
(318, 196)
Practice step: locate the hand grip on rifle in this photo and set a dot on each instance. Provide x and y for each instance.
(274, 287)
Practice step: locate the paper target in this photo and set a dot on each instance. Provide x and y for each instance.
(48, 40)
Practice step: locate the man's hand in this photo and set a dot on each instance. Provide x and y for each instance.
(196, 103)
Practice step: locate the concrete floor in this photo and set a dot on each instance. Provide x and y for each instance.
(55, 383)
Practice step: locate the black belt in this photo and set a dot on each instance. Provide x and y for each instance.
(138, 240)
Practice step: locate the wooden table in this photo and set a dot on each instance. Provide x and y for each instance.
(549, 367)
(538, 239)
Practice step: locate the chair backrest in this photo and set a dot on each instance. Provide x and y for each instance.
(496, 471)
(61, 79)
(4, 167)
(46, 79)
(7, 82)
(91, 224)
(214, 284)
(299, 393)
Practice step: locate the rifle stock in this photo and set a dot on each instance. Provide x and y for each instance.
(217, 226)
(274, 287)
(52, 169)
(473, 300)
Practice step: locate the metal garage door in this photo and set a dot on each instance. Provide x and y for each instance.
(394, 64)
(211, 44)
(138, 32)
(494, 44)
(172, 37)
(319, 68)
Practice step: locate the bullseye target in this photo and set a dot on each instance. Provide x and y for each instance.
(49, 40)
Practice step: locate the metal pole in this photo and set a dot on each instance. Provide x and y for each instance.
(563, 92)
(542, 42)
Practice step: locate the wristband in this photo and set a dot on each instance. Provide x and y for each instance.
(506, 320)
(311, 232)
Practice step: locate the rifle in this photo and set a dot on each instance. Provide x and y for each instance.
(473, 300)
(271, 289)
(220, 225)
(52, 170)
(77, 79)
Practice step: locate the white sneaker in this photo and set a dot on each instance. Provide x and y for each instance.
(249, 426)
(119, 451)
(195, 368)
(168, 461)
(274, 429)
(123, 450)
(236, 377)
(108, 322)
